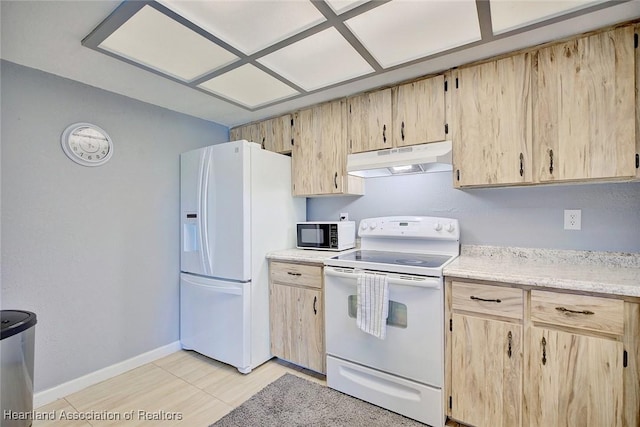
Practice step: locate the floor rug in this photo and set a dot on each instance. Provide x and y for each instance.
(294, 401)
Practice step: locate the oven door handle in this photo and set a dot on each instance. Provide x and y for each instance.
(407, 280)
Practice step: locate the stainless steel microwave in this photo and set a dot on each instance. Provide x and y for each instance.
(326, 235)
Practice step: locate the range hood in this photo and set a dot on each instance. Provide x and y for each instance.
(432, 157)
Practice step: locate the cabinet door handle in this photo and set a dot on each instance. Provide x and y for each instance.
(263, 138)
(567, 310)
(550, 161)
(485, 300)
(402, 130)
(521, 165)
(544, 351)
(335, 180)
(291, 273)
(315, 309)
(384, 134)
(509, 340)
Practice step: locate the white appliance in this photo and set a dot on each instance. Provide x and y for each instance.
(236, 206)
(404, 372)
(423, 158)
(326, 235)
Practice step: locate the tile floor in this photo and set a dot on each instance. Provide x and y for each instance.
(184, 384)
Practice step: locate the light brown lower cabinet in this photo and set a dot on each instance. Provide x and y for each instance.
(576, 380)
(487, 357)
(487, 372)
(297, 314)
(569, 360)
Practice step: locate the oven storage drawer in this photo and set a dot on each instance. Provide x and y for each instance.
(487, 299)
(578, 311)
(296, 274)
(414, 400)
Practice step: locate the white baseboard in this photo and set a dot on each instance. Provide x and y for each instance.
(47, 396)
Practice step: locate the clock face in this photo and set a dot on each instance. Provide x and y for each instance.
(87, 144)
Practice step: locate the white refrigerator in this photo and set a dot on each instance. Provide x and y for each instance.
(236, 206)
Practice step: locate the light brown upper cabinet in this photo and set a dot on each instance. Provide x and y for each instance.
(419, 112)
(369, 125)
(409, 114)
(250, 132)
(320, 152)
(276, 134)
(273, 134)
(584, 108)
(492, 122)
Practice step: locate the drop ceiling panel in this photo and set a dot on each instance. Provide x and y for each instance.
(322, 59)
(157, 41)
(249, 86)
(402, 31)
(342, 6)
(507, 15)
(249, 26)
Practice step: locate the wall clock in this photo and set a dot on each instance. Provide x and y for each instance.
(87, 144)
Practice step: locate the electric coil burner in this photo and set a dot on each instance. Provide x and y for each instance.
(405, 371)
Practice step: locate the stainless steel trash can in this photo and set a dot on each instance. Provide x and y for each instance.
(16, 368)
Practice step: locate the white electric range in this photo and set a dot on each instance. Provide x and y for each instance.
(404, 372)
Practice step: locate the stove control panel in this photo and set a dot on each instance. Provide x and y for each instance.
(410, 226)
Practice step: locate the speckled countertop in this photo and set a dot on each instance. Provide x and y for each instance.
(613, 273)
(302, 255)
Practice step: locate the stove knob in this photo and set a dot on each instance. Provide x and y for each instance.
(450, 228)
(363, 225)
(437, 226)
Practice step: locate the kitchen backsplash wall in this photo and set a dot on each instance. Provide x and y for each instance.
(93, 251)
(530, 217)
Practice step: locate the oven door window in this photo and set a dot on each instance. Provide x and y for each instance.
(397, 312)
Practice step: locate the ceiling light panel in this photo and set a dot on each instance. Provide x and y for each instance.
(402, 31)
(507, 15)
(342, 6)
(249, 86)
(249, 26)
(153, 39)
(320, 60)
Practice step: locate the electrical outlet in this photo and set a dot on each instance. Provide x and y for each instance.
(572, 219)
(344, 216)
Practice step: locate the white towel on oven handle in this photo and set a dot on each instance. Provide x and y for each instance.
(373, 304)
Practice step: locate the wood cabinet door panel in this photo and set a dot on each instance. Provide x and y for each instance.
(486, 366)
(250, 132)
(276, 134)
(575, 380)
(297, 327)
(235, 134)
(369, 124)
(585, 106)
(319, 151)
(493, 132)
(419, 112)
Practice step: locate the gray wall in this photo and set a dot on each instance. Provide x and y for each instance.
(93, 251)
(524, 217)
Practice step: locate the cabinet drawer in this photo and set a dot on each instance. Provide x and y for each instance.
(578, 311)
(296, 274)
(487, 299)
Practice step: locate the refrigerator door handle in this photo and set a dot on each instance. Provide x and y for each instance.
(203, 208)
(232, 290)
